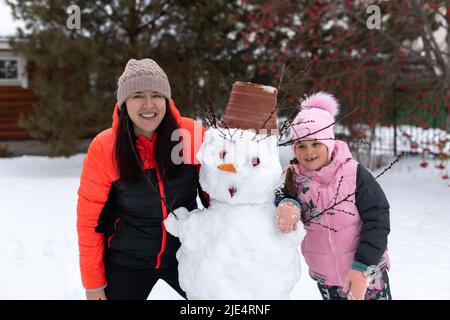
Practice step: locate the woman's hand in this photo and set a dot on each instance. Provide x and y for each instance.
(96, 295)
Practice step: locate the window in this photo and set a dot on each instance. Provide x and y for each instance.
(9, 69)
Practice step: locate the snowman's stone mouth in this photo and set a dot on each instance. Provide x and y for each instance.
(232, 191)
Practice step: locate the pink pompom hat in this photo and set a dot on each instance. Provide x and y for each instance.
(317, 112)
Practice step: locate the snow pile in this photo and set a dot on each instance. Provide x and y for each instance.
(39, 252)
(38, 242)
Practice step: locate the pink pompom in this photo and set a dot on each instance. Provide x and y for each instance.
(322, 100)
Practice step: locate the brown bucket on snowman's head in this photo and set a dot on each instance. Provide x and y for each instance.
(252, 106)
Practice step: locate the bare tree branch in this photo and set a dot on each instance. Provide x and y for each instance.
(292, 141)
(363, 187)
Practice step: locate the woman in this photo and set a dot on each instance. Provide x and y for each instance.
(131, 180)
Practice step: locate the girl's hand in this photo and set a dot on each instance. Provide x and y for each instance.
(287, 217)
(356, 285)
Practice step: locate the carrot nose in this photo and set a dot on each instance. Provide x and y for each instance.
(228, 167)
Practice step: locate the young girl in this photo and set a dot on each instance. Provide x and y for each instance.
(345, 248)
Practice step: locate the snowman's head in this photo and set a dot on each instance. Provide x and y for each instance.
(238, 166)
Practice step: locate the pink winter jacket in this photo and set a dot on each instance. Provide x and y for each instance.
(332, 239)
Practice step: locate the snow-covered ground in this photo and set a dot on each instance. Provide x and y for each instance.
(38, 243)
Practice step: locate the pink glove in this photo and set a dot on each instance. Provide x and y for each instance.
(287, 217)
(356, 285)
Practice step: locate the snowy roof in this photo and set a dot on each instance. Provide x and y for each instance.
(4, 43)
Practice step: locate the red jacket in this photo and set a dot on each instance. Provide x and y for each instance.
(99, 176)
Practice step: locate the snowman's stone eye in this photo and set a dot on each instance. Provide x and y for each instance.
(255, 161)
(222, 154)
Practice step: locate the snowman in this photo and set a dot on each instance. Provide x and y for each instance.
(232, 249)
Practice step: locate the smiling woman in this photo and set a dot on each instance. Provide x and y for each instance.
(146, 110)
(129, 184)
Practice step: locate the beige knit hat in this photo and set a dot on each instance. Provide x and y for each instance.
(141, 75)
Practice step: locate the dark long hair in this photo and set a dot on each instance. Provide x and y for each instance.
(127, 157)
(289, 184)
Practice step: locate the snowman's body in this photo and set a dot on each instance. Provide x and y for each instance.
(232, 250)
